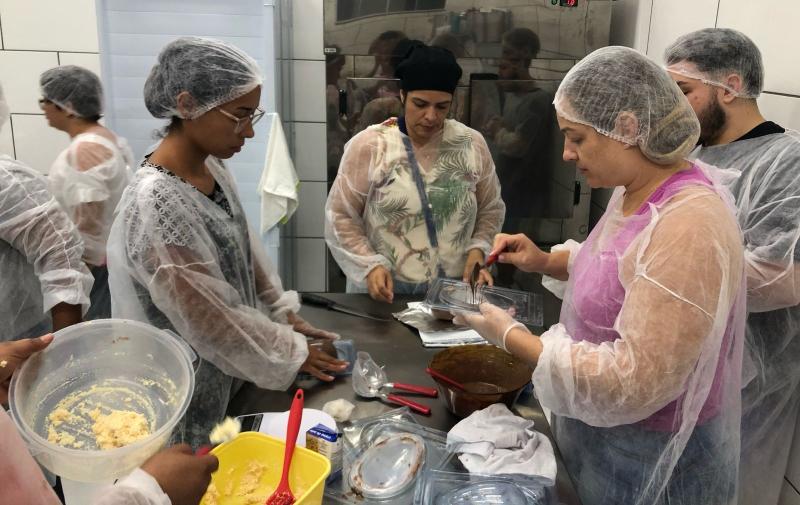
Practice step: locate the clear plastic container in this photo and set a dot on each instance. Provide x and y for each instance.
(456, 296)
(455, 488)
(371, 475)
(154, 365)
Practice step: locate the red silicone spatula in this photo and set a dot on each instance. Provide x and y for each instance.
(283, 494)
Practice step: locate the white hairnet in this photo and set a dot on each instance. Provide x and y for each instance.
(614, 84)
(712, 54)
(768, 206)
(5, 111)
(74, 89)
(211, 71)
(40, 252)
(373, 216)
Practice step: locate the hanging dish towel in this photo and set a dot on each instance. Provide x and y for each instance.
(279, 182)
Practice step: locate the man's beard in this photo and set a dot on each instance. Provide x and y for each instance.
(712, 122)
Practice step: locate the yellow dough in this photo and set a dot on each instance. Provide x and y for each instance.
(103, 416)
(119, 428)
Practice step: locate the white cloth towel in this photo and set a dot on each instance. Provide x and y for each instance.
(279, 181)
(495, 441)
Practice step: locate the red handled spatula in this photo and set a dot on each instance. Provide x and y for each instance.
(283, 494)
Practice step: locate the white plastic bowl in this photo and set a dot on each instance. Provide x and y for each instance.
(154, 363)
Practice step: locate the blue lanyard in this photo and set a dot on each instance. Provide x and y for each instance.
(427, 210)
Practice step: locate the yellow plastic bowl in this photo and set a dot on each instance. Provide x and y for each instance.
(306, 476)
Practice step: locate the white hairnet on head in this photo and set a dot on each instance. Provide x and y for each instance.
(615, 84)
(74, 89)
(712, 54)
(4, 109)
(211, 71)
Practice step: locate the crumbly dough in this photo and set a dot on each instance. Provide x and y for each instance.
(105, 415)
(247, 491)
(249, 481)
(60, 415)
(61, 438)
(211, 497)
(225, 431)
(119, 428)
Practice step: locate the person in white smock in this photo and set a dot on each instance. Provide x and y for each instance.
(643, 371)
(45, 285)
(181, 253)
(721, 73)
(416, 197)
(88, 177)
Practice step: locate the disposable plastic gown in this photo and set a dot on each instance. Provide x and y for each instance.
(179, 261)
(40, 253)
(767, 194)
(642, 373)
(373, 215)
(87, 179)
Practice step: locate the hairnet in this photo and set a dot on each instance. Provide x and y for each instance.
(4, 109)
(613, 81)
(211, 71)
(74, 89)
(712, 54)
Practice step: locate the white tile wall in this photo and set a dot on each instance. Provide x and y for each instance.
(310, 158)
(35, 36)
(672, 18)
(6, 142)
(307, 30)
(85, 60)
(784, 110)
(308, 90)
(36, 143)
(19, 74)
(773, 27)
(310, 214)
(310, 264)
(50, 25)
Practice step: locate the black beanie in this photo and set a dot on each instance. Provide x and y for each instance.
(428, 68)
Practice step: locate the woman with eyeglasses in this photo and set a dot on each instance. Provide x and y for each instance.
(88, 177)
(181, 255)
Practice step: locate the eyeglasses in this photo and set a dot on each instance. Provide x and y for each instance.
(242, 122)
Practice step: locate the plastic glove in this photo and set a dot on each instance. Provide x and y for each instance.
(493, 323)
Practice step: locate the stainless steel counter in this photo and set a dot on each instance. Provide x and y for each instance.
(398, 348)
